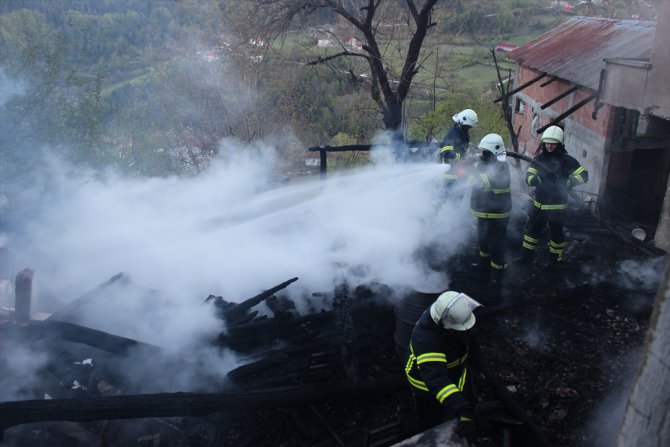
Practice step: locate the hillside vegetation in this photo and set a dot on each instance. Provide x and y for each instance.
(152, 87)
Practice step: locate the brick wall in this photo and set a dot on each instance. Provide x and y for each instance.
(585, 138)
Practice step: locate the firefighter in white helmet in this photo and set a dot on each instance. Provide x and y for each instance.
(437, 359)
(455, 144)
(552, 176)
(491, 203)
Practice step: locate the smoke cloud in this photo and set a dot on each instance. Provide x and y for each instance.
(228, 232)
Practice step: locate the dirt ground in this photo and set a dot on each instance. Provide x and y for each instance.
(563, 340)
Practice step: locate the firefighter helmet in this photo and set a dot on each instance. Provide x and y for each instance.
(453, 310)
(493, 143)
(553, 134)
(467, 117)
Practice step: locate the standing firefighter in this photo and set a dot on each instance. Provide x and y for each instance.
(437, 360)
(491, 203)
(455, 144)
(554, 174)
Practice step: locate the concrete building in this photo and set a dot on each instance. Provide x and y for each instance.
(602, 80)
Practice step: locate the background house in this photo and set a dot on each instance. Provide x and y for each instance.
(602, 81)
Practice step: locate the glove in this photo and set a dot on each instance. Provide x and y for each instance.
(466, 427)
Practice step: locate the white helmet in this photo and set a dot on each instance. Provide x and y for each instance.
(467, 117)
(553, 134)
(494, 144)
(453, 310)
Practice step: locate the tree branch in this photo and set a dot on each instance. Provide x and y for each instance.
(321, 60)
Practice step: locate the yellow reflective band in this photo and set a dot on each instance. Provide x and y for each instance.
(447, 148)
(410, 360)
(417, 383)
(483, 254)
(497, 266)
(556, 251)
(485, 179)
(530, 239)
(431, 357)
(529, 179)
(502, 191)
(558, 244)
(458, 156)
(457, 361)
(446, 392)
(461, 381)
(528, 246)
(532, 170)
(578, 171)
(490, 215)
(560, 206)
(449, 177)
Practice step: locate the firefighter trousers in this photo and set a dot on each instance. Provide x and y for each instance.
(537, 220)
(492, 235)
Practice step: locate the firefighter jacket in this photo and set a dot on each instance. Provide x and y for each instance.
(436, 364)
(491, 193)
(455, 144)
(551, 188)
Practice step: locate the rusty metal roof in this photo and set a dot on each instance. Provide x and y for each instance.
(575, 49)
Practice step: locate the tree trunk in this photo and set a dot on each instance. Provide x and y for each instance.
(647, 417)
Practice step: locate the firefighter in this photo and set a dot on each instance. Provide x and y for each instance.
(437, 358)
(491, 203)
(554, 174)
(455, 144)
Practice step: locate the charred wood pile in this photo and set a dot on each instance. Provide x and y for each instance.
(557, 348)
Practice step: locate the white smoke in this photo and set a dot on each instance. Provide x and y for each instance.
(19, 366)
(228, 232)
(10, 87)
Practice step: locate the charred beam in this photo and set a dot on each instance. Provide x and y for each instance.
(345, 148)
(69, 309)
(522, 86)
(92, 337)
(239, 311)
(546, 83)
(23, 295)
(567, 113)
(515, 408)
(187, 404)
(559, 97)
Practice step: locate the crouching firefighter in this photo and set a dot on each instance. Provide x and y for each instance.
(491, 203)
(437, 359)
(555, 173)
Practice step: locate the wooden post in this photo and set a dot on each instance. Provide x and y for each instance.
(323, 162)
(23, 292)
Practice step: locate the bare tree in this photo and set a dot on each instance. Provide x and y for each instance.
(274, 18)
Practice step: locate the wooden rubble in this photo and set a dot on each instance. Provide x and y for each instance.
(319, 361)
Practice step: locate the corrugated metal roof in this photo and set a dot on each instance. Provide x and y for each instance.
(575, 49)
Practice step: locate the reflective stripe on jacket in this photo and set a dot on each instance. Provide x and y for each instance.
(491, 192)
(454, 145)
(551, 190)
(436, 364)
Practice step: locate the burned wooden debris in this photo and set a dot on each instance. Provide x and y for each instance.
(334, 376)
